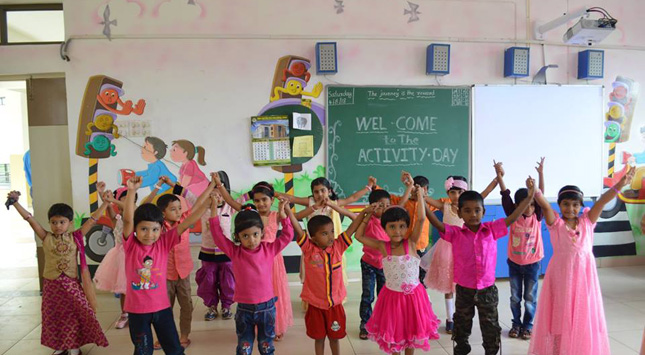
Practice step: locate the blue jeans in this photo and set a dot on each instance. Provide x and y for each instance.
(525, 276)
(141, 332)
(370, 276)
(250, 316)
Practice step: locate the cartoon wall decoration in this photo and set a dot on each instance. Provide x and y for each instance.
(618, 121)
(286, 98)
(185, 153)
(153, 151)
(107, 31)
(339, 7)
(102, 103)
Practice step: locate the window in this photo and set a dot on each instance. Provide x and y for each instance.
(5, 178)
(31, 24)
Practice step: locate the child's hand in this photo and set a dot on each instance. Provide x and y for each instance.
(406, 179)
(134, 183)
(327, 202)
(627, 178)
(216, 197)
(100, 187)
(165, 180)
(540, 166)
(283, 206)
(499, 168)
(369, 210)
(530, 185)
(419, 192)
(14, 195)
(371, 182)
(108, 196)
(215, 179)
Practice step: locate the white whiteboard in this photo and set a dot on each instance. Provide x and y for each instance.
(518, 124)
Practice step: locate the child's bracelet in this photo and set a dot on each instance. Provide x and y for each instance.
(158, 187)
(368, 187)
(615, 189)
(94, 219)
(29, 215)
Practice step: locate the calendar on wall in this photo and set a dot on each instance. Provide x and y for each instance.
(270, 140)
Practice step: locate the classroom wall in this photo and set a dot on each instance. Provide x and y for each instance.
(204, 69)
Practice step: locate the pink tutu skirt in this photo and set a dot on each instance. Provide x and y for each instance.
(440, 272)
(283, 311)
(110, 275)
(401, 321)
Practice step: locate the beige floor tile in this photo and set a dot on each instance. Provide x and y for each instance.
(618, 348)
(6, 345)
(630, 338)
(22, 306)
(17, 327)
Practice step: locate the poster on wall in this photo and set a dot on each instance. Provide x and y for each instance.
(270, 140)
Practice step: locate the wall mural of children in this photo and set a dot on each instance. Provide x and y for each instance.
(153, 150)
(190, 176)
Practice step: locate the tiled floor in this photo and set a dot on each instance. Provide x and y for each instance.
(623, 292)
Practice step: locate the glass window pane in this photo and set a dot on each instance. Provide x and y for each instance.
(35, 26)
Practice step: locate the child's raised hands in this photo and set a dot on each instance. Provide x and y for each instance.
(406, 178)
(540, 166)
(371, 182)
(166, 180)
(134, 183)
(530, 185)
(283, 207)
(499, 168)
(15, 195)
(419, 192)
(100, 187)
(627, 178)
(215, 179)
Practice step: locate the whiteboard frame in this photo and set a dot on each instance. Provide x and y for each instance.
(474, 144)
(471, 144)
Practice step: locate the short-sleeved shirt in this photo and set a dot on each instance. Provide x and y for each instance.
(324, 287)
(475, 254)
(146, 268)
(374, 230)
(525, 239)
(411, 207)
(180, 262)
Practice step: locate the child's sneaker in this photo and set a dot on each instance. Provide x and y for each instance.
(226, 313)
(514, 332)
(449, 326)
(122, 322)
(211, 314)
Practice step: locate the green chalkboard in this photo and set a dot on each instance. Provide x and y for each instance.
(381, 131)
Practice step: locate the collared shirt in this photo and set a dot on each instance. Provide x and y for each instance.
(180, 262)
(324, 287)
(475, 254)
(375, 231)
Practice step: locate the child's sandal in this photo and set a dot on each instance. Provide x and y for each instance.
(278, 337)
(514, 332)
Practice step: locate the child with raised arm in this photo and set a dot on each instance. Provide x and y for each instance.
(147, 249)
(440, 275)
(323, 289)
(525, 250)
(110, 275)
(403, 319)
(68, 306)
(252, 258)
(263, 196)
(570, 316)
(474, 247)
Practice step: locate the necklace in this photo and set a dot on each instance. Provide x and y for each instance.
(574, 233)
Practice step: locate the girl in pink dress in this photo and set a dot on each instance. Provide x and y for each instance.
(110, 275)
(190, 176)
(403, 319)
(263, 196)
(570, 317)
(438, 260)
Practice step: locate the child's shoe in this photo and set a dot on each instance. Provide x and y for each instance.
(122, 322)
(211, 314)
(449, 326)
(525, 334)
(514, 332)
(226, 313)
(363, 334)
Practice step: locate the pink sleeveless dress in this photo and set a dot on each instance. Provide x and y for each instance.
(570, 317)
(110, 275)
(403, 316)
(440, 274)
(283, 311)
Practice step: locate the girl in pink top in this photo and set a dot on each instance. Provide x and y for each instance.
(253, 290)
(190, 176)
(570, 315)
(263, 196)
(403, 319)
(525, 250)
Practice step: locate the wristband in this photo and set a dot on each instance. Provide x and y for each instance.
(27, 216)
(177, 190)
(615, 189)
(94, 219)
(368, 187)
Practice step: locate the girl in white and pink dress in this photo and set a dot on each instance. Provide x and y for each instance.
(110, 275)
(403, 319)
(570, 317)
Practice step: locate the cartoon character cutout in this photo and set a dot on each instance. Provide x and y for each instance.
(110, 98)
(612, 131)
(295, 86)
(145, 273)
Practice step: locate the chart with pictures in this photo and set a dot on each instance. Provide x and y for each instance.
(270, 140)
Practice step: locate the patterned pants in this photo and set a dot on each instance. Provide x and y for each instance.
(486, 301)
